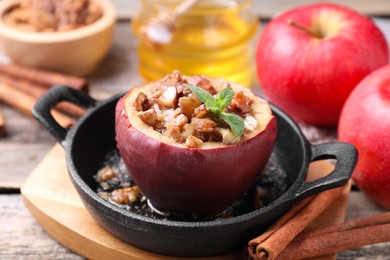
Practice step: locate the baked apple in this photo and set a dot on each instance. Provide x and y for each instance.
(194, 144)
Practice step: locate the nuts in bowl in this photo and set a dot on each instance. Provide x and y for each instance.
(194, 144)
(70, 36)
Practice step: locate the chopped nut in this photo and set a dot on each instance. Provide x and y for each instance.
(160, 117)
(168, 98)
(148, 116)
(182, 90)
(172, 79)
(209, 88)
(106, 173)
(180, 120)
(203, 125)
(126, 196)
(203, 83)
(241, 102)
(141, 102)
(198, 81)
(188, 104)
(193, 142)
(201, 111)
(103, 195)
(154, 94)
(188, 129)
(169, 115)
(174, 132)
(157, 109)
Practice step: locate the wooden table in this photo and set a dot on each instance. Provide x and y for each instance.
(27, 143)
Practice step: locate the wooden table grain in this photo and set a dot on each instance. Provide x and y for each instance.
(26, 143)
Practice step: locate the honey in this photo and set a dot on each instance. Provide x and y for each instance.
(213, 38)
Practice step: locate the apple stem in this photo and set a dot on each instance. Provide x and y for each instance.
(303, 28)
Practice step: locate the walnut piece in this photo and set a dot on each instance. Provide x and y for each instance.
(52, 15)
(193, 142)
(189, 104)
(126, 196)
(241, 103)
(106, 173)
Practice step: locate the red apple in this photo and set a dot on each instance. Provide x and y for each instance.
(365, 122)
(310, 58)
(179, 179)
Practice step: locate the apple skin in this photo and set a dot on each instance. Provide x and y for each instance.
(193, 181)
(365, 122)
(308, 77)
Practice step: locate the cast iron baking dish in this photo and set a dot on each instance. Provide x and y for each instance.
(87, 143)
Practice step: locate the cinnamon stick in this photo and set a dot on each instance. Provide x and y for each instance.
(379, 219)
(351, 234)
(37, 90)
(271, 243)
(25, 103)
(44, 78)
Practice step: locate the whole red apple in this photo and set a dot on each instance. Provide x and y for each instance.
(310, 58)
(203, 180)
(365, 122)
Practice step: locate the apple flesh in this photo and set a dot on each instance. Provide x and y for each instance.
(199, 181)
(310, 58)
(365, 122)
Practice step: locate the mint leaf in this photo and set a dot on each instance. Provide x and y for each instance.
(224, 98)
(204, 96)
(217, 105)
(235, 122)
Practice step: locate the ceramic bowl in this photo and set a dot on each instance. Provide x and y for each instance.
(76, 52)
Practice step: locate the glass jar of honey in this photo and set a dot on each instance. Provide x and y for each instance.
(212, 38)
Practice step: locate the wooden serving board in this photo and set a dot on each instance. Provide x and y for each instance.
(51, 198)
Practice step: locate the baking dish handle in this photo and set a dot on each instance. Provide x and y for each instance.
(42, 108)
(346, 157)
